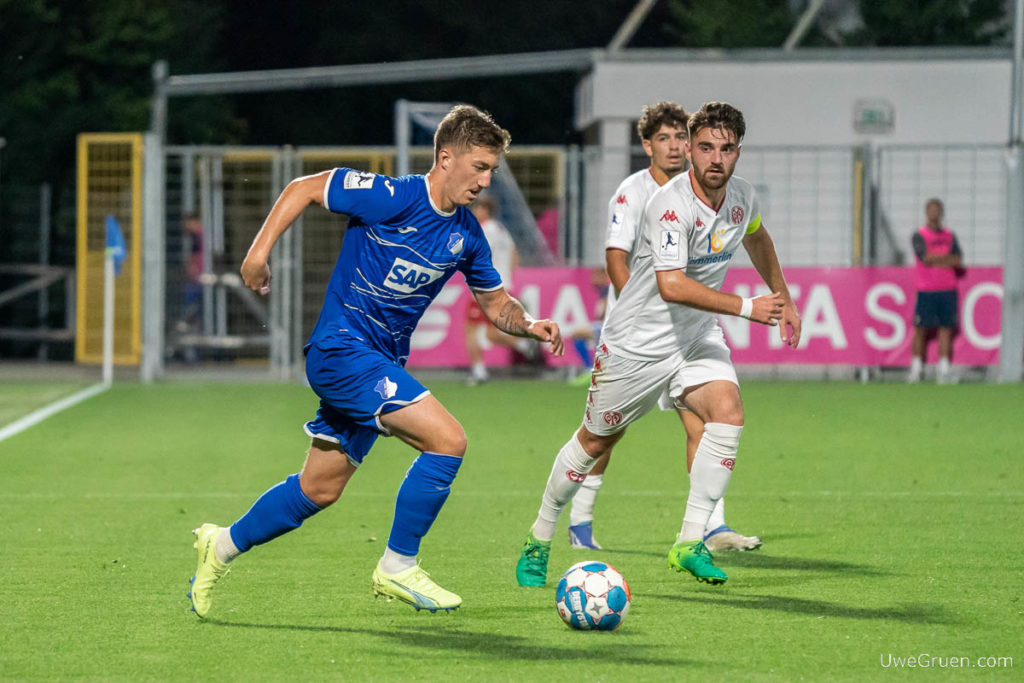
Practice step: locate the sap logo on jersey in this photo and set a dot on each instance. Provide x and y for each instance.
(407, 277)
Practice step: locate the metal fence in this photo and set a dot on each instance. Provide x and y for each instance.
(216, 199)
(808, 197)
(970, 181)
(825, 206)
(848, 206)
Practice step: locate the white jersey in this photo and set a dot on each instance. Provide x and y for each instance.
(502, 249)
(625, 219)
(680, 232)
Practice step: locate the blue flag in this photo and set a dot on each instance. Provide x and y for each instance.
(115, 243)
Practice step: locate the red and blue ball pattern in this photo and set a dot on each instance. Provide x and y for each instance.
(592, 596)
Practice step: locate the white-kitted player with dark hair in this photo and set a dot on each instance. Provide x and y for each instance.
(662, 131)
(663, 334)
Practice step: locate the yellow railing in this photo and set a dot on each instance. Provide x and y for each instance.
(109, 184)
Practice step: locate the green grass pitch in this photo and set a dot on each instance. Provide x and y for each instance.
(890, 515)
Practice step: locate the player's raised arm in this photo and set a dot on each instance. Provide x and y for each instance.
(299, 194)
(509, 316)
(761, 249)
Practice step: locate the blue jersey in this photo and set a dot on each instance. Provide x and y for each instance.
(398, 253)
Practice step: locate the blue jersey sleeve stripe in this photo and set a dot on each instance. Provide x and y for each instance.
(487, 289)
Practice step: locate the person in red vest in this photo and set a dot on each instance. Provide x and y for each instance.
(937, 255)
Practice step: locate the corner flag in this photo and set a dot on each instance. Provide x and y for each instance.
(115, 243)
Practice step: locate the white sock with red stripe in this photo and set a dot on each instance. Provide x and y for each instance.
(583, 502)
(717, 517)
(567, 474)
(709, 476)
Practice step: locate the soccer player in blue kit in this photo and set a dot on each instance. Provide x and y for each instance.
(406, 237)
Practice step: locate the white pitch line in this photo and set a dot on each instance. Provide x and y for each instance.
(175, 495)
(34, 418)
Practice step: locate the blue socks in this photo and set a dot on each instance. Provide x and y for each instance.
(583, 349)
(423, 492)
(278, 511)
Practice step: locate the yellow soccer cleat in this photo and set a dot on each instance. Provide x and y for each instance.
(208, 570)
(415, 587)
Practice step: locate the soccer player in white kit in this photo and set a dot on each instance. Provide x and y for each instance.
(662, 131)
(663, 334)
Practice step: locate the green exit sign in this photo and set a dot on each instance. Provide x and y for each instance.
(873, 116)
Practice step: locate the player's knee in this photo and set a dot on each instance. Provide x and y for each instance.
(324, 491)
(728, 414)
(595, 445)
(733, 417)
(452, 441)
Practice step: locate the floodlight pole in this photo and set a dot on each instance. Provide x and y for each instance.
(1011, 353)
(403, 137)
(154, 232)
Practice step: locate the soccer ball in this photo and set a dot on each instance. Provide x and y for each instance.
(592, 595)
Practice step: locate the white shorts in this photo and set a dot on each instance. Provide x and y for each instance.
(623, 390)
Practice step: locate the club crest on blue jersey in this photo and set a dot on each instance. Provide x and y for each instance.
(406, 277)
(455, 242)
(386, 388)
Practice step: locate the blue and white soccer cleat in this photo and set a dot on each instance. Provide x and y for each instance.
(724, 538)
(581, 536)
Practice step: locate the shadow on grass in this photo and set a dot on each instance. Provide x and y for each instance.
(647, 553)
(490, 644)
(914, 613)
(759, 560)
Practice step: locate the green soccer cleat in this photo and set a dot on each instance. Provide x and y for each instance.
(208, 570)
(415, 587)
(532, 568)
(695, 558)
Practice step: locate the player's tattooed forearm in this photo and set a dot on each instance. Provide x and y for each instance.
(512, 318)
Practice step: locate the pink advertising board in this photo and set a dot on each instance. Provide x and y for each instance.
(855, 316)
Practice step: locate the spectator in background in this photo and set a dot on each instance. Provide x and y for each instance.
(192, 288)
(192, 254)
(938, 257)
(584, 339)
(505, 258)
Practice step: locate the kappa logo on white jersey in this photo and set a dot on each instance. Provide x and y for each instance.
(669, 246)
(407, 277)
(358, 180)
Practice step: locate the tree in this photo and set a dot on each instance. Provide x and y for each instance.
(931, 22)
(734, 24)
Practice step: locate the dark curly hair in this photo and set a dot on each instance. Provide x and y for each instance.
(661, 114)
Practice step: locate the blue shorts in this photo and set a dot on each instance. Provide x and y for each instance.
(356, 385)
(936, 309)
